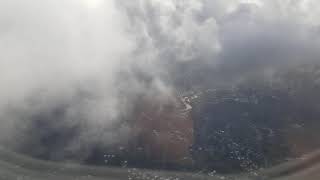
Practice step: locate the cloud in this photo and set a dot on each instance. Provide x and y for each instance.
(236, 37)
(93, 58)
(60, 54)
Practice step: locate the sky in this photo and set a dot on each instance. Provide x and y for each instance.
(92, 58)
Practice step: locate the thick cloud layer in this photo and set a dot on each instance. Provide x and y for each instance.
(224, 39)
(89, 59)
(61, 55)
